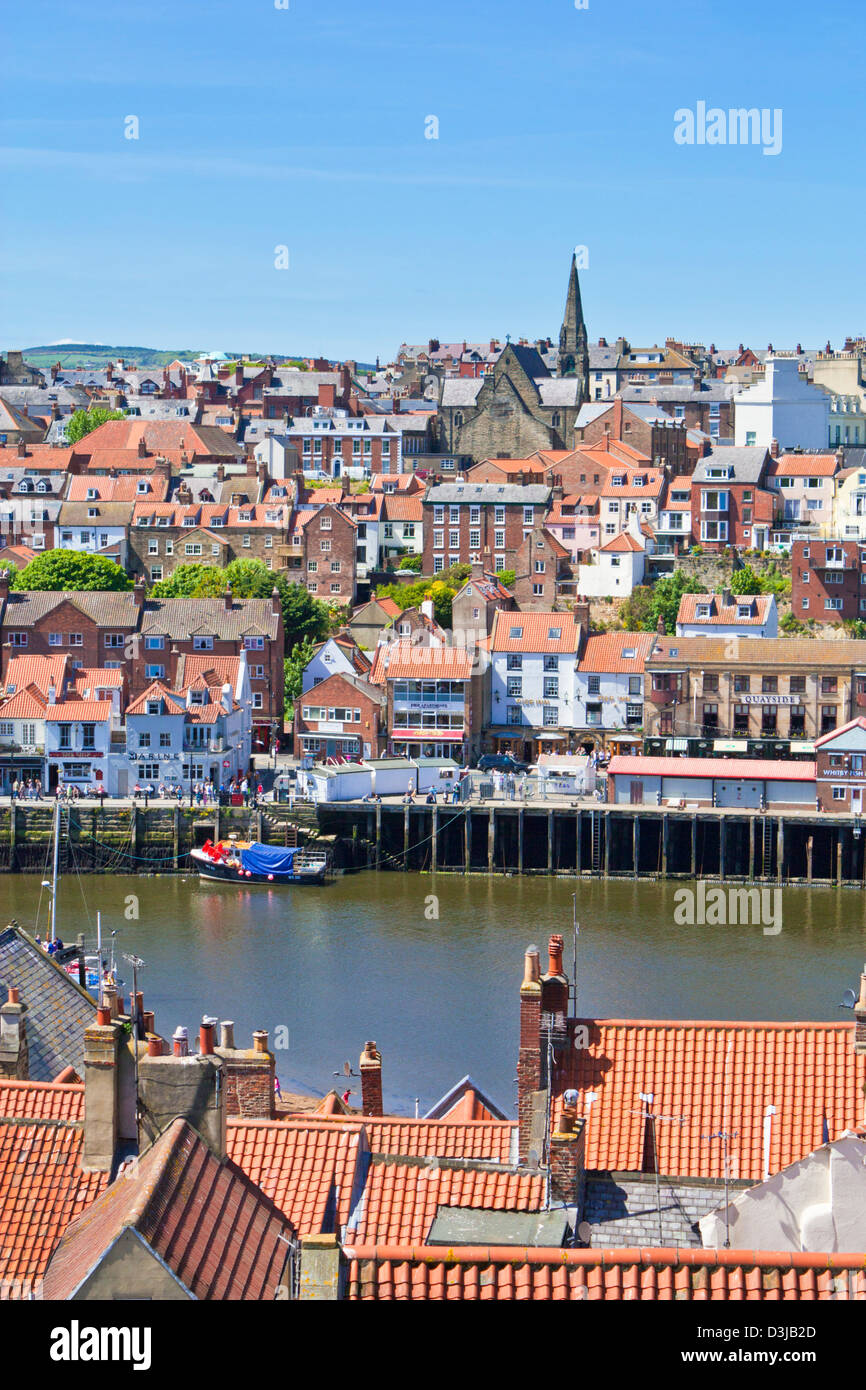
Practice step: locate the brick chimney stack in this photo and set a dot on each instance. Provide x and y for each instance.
(14, 1056)
(774, 448)
(371, 1080)
(249, 1074)
(227, 598)
(529, 1054)
(142, 448)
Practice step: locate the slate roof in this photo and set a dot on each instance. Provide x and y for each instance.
(200, 1215)
(178, 618)
(533, 494)
(507, 1273)
(24, 607)
(58, 1009)
(747, 463)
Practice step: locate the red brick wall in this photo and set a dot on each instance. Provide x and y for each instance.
(339, 691)
(816, 589)
(329, 526)
(250, 1086)
(488, 550)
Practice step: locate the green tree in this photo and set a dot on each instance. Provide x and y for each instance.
(645, 605)
(745, 581)
(411, 562)
(71, 569)
(82, 422)
(507, 577)
(294, 666)
(304, 617)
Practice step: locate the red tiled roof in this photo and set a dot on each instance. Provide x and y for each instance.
(750, 769)
(155, 691)
(220, 668)
(483, 1140)
(718, 1076)
(202, 1217)
(29, 703)
(401, 1199)
(36, 670)
(605, 652)
(623, 542)
(402, 660)
(41, 1100)
(94, 710)
(304, 1167)
(535, 630)
(723, 613)
(403, 508)
(123, 489)
(511, 1273)
(42, 1189)
(803, 466)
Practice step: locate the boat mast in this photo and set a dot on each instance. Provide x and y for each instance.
(54, 869)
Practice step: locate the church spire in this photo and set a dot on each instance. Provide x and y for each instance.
(573, 359)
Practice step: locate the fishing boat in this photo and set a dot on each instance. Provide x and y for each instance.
(248, 861)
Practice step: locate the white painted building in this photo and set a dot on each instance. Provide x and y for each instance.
(817, 1204)
(532, 676)
(783, 407)
(335, 657)
(609, 681)
(618, 566)
(728, 615)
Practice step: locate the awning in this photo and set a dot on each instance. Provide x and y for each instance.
(676, 745)
(730, 745)
(547, 738)
(626, 738)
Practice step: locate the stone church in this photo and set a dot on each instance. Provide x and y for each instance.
(521, 406)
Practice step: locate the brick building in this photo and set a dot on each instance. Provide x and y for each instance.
(429, 700)
(93, 629)
(330, 553)
(828, 580)
(485, 521)
(340, 716)
(840, 759)
(731, 504)
(543, 571)
(778, 688)
(656, 435)
(172, 628)
(163, 535)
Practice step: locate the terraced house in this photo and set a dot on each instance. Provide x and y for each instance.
(164, 535)
(485, 521)
(752, 692)
(173, 630)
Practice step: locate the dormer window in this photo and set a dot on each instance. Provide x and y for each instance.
(189, 521)
(154, 707)
(703, 610)
(143, 485)
(744, 610)
(91, 492)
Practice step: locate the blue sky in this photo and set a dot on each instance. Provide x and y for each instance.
(261, 127)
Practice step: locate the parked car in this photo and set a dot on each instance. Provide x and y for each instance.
(500, 762)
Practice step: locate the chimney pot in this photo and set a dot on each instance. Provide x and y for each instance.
(555, 946)
(205, 1037)
(154, 1047)
(180, 1042)
(13, 995)
(148, 1019)
(531, 967)
(103, 1016)
(260, 1040)
(227, 1034)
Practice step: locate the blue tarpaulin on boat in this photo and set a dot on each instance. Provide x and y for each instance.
(267, 859)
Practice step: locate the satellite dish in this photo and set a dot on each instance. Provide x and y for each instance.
(584, 1232)
(848, 1000)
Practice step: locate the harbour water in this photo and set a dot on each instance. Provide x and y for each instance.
(430, 966)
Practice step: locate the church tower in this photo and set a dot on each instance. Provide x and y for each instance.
(573, 359)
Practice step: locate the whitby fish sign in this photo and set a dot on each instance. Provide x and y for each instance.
(77, 1343)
